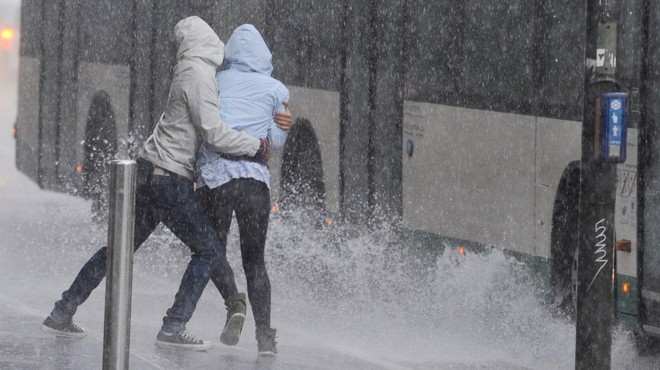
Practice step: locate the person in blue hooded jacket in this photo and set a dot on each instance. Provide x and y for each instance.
(250, 98)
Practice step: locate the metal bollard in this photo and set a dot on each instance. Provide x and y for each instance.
(119, 270)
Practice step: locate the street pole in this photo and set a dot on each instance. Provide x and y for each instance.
(595, 307)
(116, 333)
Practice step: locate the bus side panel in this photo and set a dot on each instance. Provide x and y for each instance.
(482, 192)
(306, 41)
(388, 107)
(225, 16)
(626, 208)
(625, 222)
(141, 119)
(308, 49)
(433, 61)
(560, 80)
(356, 109)
(321, 108)
(68, 96)
(469, 170)
(104, 66)
(651, 178)
(558, 143)
(27, 143)
(49, 99)
(115, 81)
(498, 53)
(166, 14)
(27, 128)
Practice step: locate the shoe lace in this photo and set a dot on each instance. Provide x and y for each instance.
(74, 327)
(272, 338)
(189, 337)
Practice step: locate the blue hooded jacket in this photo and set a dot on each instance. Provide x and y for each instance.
(249, 97)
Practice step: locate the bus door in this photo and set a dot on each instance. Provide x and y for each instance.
(648, 290)
(27, 123)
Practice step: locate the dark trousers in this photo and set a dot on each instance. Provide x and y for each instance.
(250, 200)
(172, 201)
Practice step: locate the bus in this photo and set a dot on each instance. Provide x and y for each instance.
(458, 120)
(9, 22)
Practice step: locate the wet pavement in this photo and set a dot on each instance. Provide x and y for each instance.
(24, 346)
(335, 308)
(45, 237)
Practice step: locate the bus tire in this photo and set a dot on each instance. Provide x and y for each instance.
(302, 186)
(564, 240)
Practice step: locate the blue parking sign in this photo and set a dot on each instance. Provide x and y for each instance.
(613, 127)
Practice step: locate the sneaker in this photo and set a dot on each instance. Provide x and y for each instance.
(266, 343)
(235, 319)
(181, 340)
(66, 330)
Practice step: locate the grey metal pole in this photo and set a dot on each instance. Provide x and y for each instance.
(595, 290)
(119, 274)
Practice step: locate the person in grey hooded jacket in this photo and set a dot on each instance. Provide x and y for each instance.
(228, 184)
(165, 191)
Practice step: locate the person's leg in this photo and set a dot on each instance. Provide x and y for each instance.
(219, 206)
(252, 213)
(93, 272)
(188, 222)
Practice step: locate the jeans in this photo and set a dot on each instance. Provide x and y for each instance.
(172, 201)
(250, 199)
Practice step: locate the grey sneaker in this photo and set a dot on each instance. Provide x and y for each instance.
(235, 319)
(181, 340)
(266, 343)
(64, 330)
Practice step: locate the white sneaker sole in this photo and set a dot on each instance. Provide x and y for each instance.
(232, 331)
(188, 347)
(62, 334)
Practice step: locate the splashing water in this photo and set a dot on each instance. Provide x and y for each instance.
(374, 295)
(372, 292)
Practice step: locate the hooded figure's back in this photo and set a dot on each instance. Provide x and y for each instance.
(192, 107)
(249, 96)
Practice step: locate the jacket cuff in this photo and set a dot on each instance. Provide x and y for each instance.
(254, 147)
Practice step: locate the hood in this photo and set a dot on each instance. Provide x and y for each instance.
(247, 51)
(196, 39)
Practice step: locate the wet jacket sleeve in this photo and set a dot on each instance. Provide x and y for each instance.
(276, 135)
(202, 98)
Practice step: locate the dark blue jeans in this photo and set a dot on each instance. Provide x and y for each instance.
(172, 201)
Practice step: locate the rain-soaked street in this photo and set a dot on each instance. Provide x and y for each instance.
(462, 117)
(358, 303)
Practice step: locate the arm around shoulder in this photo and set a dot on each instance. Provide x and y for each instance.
(202, 98)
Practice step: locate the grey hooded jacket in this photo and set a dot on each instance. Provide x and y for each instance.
(191, 114)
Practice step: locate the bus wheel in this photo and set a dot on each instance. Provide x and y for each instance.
(100, 147)
(564, 240)
(301, 180)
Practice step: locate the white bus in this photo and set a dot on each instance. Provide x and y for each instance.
(460, 119)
